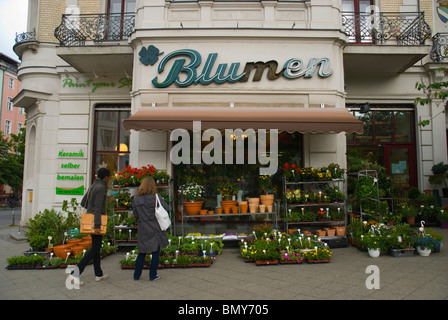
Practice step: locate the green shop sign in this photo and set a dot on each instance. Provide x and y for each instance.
(186, 62)
(93, 85)
(70, 171)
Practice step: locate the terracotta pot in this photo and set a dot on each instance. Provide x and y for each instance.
(262, 208)
(77, 250)
(203, 212)
(253, 207)
(235, 209)
(73, 241)
(219, 210)
(269, 208)
(307, 233)
(411, 220)
(254, 200)
(193, 207)
(267, 199)
(243, 208)
(62, 250)
(210, 212)
(330, 231)
(321, 233)
(227, 205)
(340, 231)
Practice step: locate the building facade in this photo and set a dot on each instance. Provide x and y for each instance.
(11, 119)
(107, 82)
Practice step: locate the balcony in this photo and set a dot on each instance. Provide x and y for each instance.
(96, 42)
(439, 50)
(384, 42)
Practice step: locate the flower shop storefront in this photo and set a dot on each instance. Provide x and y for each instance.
(225, 158)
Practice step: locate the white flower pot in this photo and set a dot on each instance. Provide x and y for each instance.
(374, 253)
(423, 252)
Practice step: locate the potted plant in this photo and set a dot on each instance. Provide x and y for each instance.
(443, 218)
(290, 172)
(374, 244)
(399, 240)
(227, 190)
(266, 252)
(318, 255)
(291, 256)
(262, 230)
(38, 243)
(425, 244)
(132, 177)
(265, 182)
(409, 212)
(193, 192)
(439, 176)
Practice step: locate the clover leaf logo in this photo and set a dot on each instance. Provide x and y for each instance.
(150, 55)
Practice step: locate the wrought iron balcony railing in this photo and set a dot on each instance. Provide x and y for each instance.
(439, 50)
(26, 36)
(75, 30)
(408, 29)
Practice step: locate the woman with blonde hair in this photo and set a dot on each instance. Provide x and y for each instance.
(150, 237)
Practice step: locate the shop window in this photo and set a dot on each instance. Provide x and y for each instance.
(111, 140)
(367, 119)
(290, 146)
(403, 126)
(388, 140)
(383, 126)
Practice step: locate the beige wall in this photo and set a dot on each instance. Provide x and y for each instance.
(50, 19)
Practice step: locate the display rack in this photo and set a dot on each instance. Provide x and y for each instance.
(132, 230)
(374, 174)
(333, 241)
(229, 218)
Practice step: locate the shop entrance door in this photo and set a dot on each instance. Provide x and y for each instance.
(400, 165)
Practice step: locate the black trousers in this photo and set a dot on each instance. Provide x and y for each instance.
(93, 254)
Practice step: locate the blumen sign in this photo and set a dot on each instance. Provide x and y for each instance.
(185, 68)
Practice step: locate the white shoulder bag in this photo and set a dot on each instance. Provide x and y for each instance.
(162, 215)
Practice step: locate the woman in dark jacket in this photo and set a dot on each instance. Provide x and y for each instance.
(150, 237)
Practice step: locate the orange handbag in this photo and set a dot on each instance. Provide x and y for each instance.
(87, 221)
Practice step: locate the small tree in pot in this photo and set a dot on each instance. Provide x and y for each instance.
(440, 174)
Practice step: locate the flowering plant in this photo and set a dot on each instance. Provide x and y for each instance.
(317, 254)
(265, 249)
(290, 172)
(291, 256)
(133, 176)
(371, 241)
(262, 229)
(227, 190)
(427, 240)
(192, 191)
(265, 182)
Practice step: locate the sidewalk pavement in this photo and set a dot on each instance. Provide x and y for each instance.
(229, 278)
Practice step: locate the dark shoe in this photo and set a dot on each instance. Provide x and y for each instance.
(156, 278)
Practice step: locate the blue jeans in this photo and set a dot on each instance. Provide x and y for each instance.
(152, 269)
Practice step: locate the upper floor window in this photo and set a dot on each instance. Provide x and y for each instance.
(122, 6)
(11, 83)
(9, 104)
(7, 127)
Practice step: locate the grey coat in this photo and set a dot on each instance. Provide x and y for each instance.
(96, 203)
(150, 236)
